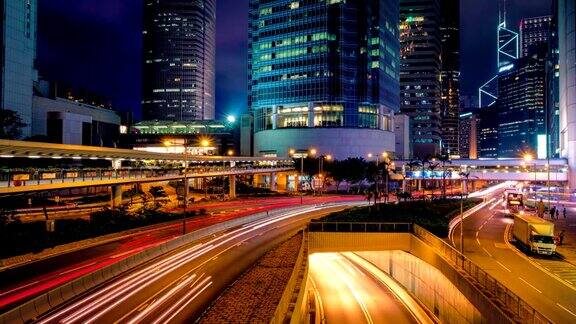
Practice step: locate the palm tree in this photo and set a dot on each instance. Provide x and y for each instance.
(432, 165)
(413, 165)
(444, 159)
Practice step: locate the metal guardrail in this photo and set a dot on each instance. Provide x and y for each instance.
(360, 227)
(17, 178)
(504, 298)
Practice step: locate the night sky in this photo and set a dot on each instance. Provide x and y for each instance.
(96, 45)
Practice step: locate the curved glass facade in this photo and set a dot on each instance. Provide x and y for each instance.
(179, 53)
(319, 64)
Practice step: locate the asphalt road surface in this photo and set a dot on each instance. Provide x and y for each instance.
(349, 294)
(24, 282)
(486, 244)
(177, 287)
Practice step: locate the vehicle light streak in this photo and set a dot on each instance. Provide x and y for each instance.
(126, 287)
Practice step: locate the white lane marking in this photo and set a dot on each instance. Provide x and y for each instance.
(19, 288)
(503, 266)
(566, 309)
(529, 284)
(77, 268)
(483, 248)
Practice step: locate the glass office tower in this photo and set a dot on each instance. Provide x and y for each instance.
(17, 55)
(420, 75)
(179, 54)
(324, 75)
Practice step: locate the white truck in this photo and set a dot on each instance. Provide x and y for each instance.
(534, 233)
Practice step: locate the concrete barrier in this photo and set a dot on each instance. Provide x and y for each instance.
(35, 307)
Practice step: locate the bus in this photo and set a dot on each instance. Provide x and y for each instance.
(514, 203)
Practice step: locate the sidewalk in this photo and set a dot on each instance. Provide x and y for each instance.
(568, 225)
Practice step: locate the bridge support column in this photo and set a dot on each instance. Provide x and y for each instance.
(232, 186)
(403, 185)
(116, 196)
(259, 181)
(273, 181)
(282, 182)
(464, 186)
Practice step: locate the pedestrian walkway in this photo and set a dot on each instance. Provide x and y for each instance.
(564, 266)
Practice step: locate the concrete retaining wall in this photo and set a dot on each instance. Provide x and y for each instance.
(341, 242)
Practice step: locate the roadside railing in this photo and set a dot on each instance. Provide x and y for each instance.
(512, 304)
(24, 178)
(360, 227)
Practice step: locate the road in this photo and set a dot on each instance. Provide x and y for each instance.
(349, 293)
(486, 244)
(177, 287)
(24, 282)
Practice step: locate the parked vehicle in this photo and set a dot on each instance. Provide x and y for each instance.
(534, 233)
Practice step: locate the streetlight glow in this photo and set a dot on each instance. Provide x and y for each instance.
(230, 152)
(231, 118)
(370, 155)
(313, 151)
(328, 157)
(528, 157)
(292, 151)
(385, 154)
(205, 142)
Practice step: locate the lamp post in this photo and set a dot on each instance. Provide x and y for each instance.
(185, 186)
(301, 154)
(321, 159)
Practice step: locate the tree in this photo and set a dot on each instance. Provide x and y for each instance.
(10, 124)
(444, 160)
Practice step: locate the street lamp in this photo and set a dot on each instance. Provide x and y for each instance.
(321, 159)
(185, 195)
(528, 158)
(302, 154)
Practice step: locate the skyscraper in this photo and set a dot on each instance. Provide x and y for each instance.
(507, 53)
(521, 107)
(450, 75)
(420, 69)
(323, 75)
(567, 50)
(468, 135)
(488, 132)
(534, 32)
(17, 55)
(179, 53)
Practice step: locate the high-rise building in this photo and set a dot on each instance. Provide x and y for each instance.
(534, 32)
(323, 75)
(17, 55)
(553, 85)
(468, 135)
(521, 108)
(420, 69)
(507, 53)
(179, 53)
(567, 57)
(450, 75)
(488, 132)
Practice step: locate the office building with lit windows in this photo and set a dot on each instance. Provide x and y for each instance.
(179, 54)
(521, 108)
(534, 32)
(566, 11)
(323, 75)
(420, 69)
(17, 56)
(450, 76)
